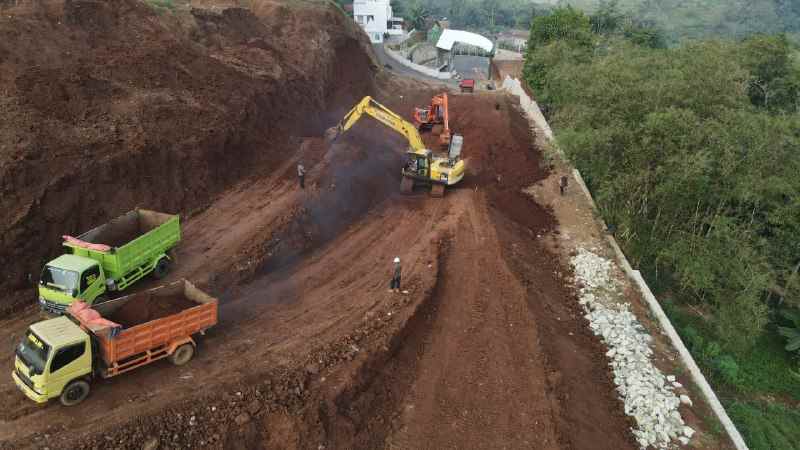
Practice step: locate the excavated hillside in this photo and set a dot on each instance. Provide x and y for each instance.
(109, 104)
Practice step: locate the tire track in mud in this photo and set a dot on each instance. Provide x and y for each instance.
(479, 383)
(463, 373)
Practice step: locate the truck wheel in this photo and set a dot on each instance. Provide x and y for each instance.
(74, 393)
(182, 354)
(162, 268)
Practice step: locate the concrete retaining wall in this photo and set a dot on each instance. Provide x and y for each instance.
(399, 59)
(531, 109)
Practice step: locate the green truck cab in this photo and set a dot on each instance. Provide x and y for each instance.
(110, 257)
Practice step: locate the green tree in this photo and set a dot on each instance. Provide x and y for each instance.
(773, 83)
(418, 14)
(564, 24)
(646, 34)
(608, 18)
(792, 331)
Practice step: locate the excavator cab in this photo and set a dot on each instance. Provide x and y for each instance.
(418, 165)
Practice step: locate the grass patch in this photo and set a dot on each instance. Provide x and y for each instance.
(766, 370)
(758, 388)
(766, 426)
(162, 6)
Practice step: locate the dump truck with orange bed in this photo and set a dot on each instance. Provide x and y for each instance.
(60, 357)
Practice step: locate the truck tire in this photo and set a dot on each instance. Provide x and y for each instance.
(162, 269)
(182, 354)
(75, 392)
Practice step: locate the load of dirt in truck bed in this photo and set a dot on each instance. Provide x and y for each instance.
(145, 308)
(125, 228)
(106, 106)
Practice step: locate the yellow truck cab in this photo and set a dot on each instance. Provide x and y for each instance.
(54, 359)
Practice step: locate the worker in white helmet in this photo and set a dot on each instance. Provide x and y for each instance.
(394, 286)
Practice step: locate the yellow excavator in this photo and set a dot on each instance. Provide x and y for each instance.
(422, 167)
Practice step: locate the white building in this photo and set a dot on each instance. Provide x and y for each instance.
(375, 17)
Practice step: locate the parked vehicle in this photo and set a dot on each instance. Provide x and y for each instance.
(61, 357)
(110, 257)
(467, 85)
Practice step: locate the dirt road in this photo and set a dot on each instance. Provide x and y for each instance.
(481, 366)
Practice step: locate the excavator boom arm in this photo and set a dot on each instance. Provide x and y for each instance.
(384, 115)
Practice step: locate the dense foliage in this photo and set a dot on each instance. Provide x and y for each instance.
(693, 154)
(482, 15)
(687, 19)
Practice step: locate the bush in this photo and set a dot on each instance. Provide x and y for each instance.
(728, 369)
(161, 5)
(766, 426)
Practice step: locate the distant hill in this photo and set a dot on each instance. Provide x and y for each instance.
(682, 19)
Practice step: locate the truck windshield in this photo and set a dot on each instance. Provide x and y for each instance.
(33, 352)
(61, 279)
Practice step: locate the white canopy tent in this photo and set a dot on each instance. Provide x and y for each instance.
(450, 37)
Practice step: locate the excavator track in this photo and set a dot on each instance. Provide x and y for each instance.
(407, 185)
(437, 190)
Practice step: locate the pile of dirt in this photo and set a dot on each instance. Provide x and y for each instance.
(144, 308)
(502, 163)
(110, 105)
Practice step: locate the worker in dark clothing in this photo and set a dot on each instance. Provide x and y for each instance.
(301, 175)
(562, 185)
(394, 286)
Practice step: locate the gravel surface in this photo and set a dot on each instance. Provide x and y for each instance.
(647, 393)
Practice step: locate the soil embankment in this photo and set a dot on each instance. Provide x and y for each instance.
(106, 105)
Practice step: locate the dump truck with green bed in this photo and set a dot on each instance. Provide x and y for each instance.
(110, 257)
(61, 357)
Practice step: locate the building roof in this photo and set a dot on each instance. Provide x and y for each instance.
(450, 37)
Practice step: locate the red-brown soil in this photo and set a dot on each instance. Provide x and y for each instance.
(488, 348)
(107, 105)
(145, 308)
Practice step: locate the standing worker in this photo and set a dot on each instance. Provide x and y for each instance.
(301, 174)
(394, 286)
(562, 185)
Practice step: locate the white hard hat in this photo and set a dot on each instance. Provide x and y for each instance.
(397, 259)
